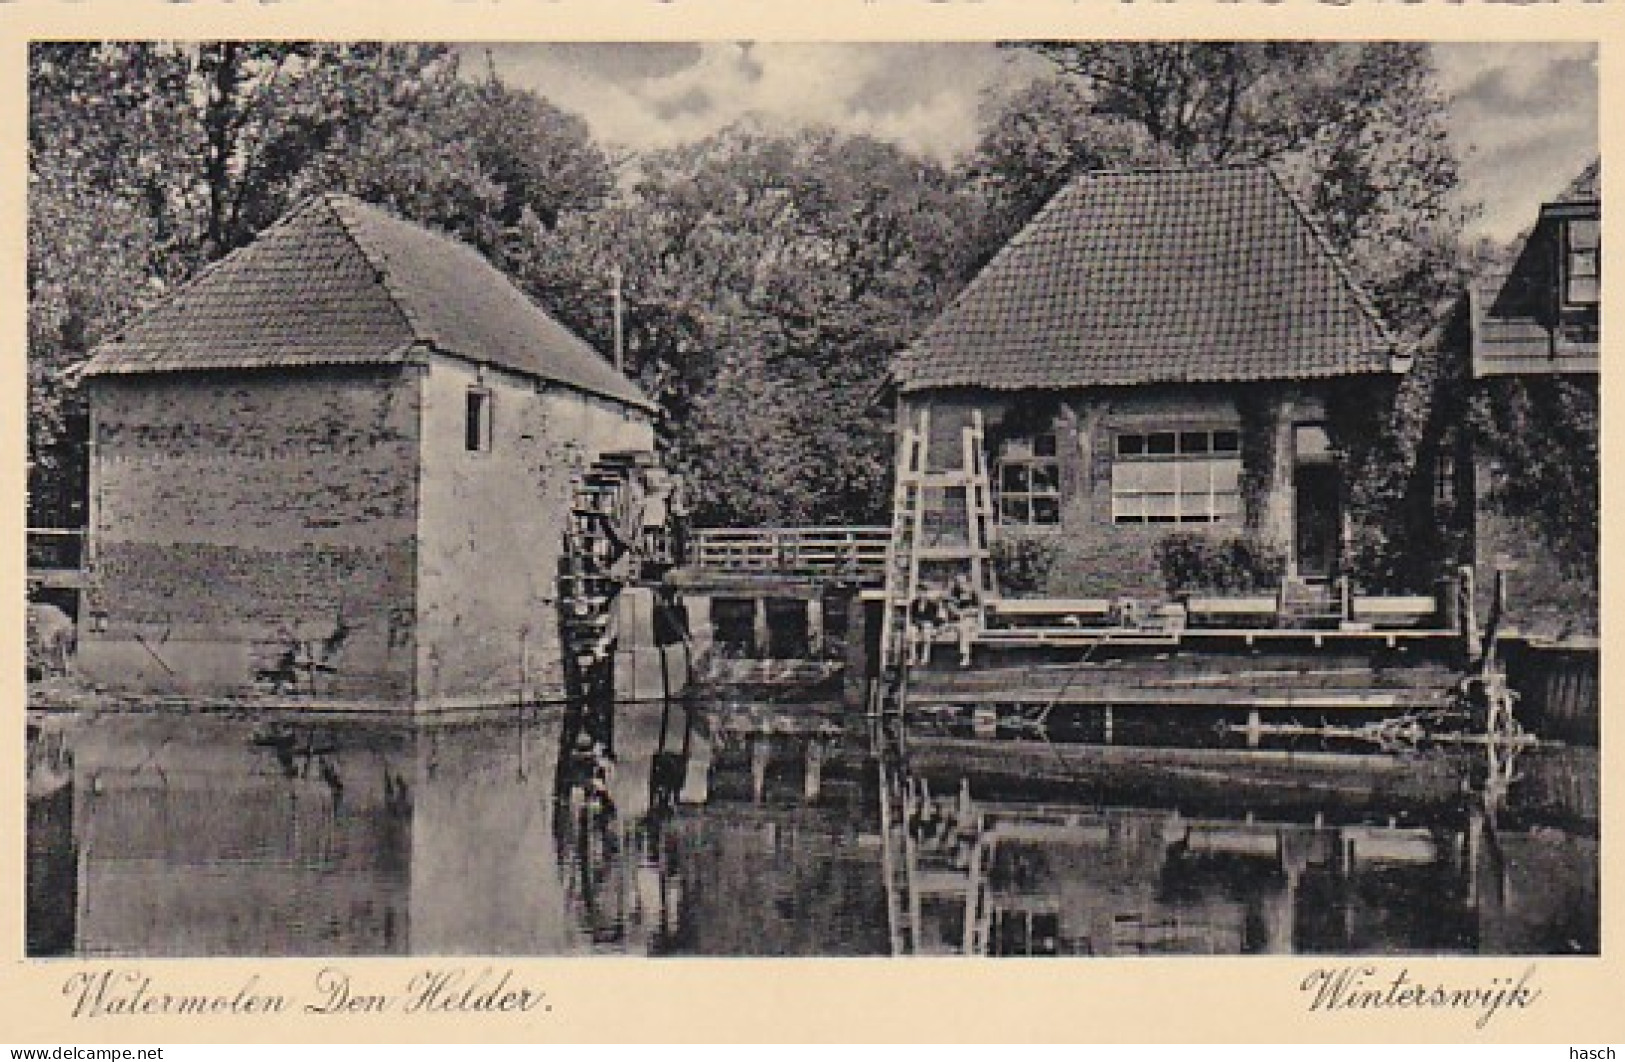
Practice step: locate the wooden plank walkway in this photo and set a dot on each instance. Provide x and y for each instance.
(1192, 681)
(1258, 778)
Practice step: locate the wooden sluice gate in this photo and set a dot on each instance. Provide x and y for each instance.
(771, 610)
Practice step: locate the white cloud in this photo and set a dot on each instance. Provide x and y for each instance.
(924, 97)
(1523, 116)
(1523, 119)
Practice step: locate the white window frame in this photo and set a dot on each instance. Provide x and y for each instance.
(1198, 495)
(1587, 256)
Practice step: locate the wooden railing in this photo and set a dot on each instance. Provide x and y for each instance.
(850, 551)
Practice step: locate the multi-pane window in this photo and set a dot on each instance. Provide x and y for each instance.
(1583, 262)
(1028, 480)
(1177, 477)
(477, 421)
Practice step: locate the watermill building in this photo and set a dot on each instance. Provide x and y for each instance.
(337, 466)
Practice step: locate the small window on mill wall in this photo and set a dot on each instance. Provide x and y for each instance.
(477, 423)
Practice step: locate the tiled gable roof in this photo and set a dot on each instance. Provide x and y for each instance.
(339, 282)
(1155, 276)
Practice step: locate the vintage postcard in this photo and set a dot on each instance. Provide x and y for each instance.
(565, 523)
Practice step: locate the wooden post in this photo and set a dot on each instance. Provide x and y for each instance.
(1448, 591)
(761, 749)
(1345, 887)
(861, 618)
(762, 634)
(815, 626)
(1498, 604)
(812, 781)
(971, 940)
(618, 313)
(1467, 611)
(1281, 915)
(1472, 852)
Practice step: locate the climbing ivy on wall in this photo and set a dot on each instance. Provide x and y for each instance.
(1257, 454)
(1541, 432)
(1391, 433)
(1379, 456)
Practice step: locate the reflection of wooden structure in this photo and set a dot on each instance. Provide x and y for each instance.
(998, 878)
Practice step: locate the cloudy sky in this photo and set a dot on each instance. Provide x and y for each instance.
(1524, 115)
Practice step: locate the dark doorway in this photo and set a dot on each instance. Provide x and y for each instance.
(1317, 514)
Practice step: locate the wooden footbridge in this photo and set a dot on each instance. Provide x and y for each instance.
(729, 558)
(779, 593)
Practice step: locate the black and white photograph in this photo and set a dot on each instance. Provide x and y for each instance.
(754, 499)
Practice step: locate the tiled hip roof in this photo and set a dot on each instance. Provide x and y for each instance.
(339, 282)
(1158, 276)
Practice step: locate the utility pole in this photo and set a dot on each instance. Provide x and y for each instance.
(615, 279)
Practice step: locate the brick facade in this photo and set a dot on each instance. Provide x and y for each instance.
(336, 467)
(233, 513)
(491, 528)
(1095, 555)
(237, 513)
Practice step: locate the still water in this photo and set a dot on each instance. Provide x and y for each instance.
(713, 833)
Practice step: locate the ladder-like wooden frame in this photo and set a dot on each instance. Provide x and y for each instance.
(905, 551)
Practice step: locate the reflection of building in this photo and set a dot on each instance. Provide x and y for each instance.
(1159, 352)
(52, 856)
(339, 464)
(775, 880)
(782, 858)
(216, 838)
(195, 841)
(210, 836)
(1052, 880)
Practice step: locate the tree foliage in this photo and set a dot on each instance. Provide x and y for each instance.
(147, 161)
(767, 278)
(1357, 131)
(1542, 434)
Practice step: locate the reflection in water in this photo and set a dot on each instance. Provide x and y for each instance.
(724, 833)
